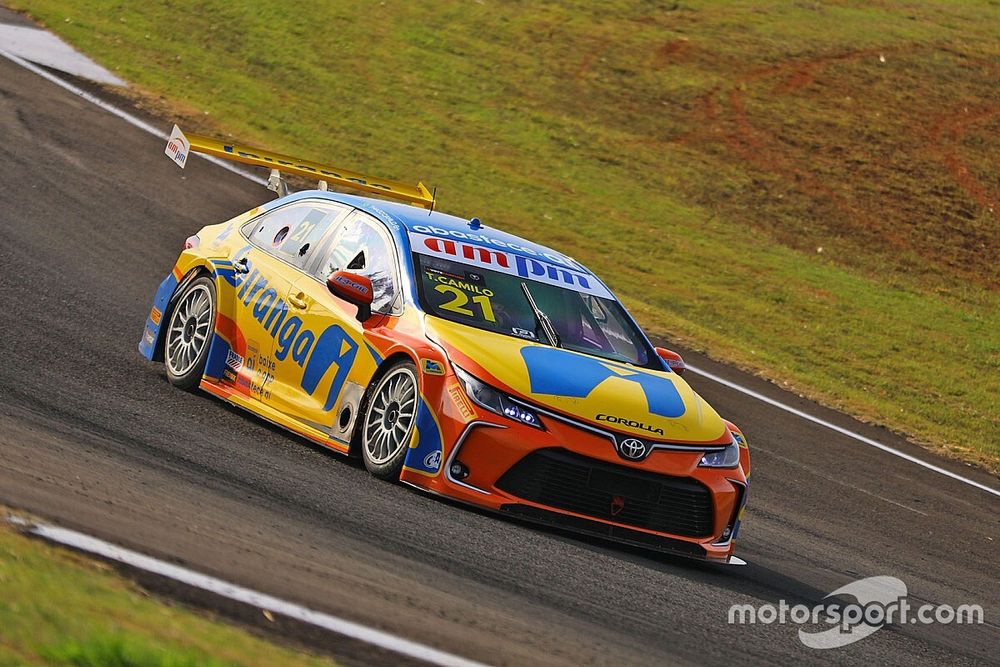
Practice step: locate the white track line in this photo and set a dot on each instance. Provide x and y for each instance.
(230, 591)
(732, 385)
(841, 430)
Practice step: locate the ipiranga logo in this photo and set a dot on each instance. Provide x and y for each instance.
(879, 601)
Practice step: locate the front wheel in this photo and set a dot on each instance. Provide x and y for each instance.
(389, 420)
(189, 332)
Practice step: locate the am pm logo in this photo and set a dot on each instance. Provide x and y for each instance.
(548, 270)
(178, 147)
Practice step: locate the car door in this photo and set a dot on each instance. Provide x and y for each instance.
(333, 373)
(280, 244)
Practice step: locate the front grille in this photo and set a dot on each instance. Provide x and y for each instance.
(564, 480)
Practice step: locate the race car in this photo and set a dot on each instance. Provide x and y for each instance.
(448, 355)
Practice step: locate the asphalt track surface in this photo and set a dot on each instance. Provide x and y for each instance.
(94, 438)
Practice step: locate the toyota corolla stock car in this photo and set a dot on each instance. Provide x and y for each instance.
(453, 357)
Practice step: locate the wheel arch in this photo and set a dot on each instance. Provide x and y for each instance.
(397, 355)
(193, 273)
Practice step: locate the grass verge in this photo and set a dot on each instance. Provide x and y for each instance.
(803, 189)
(57, 607)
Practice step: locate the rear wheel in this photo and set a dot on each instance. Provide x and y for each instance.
(189, 330)
(389, 420)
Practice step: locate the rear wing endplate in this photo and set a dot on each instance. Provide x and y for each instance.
(179, 145)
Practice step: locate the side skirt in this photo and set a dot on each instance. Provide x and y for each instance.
(270, 415)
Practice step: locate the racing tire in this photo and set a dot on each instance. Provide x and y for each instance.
(389, 418)
(189, 334)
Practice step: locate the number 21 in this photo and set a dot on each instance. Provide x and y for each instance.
(457, 304)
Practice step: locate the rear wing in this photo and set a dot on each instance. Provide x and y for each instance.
(180, 144)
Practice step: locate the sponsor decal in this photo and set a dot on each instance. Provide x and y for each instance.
(258, 372)
(149, 337)
(178, 147)
(352, 284)
(611, 419)
(424, 454)
(465, 285)
(234, 360)
(314, 353)
(486, 239)
(460, 401)
(433, 460)
(432, 367)
(156, 315)
(676, 365)
(460, 296)
(228, 375)
(632, 449)
(617, 505)
(559, 372)
(524, 333)
(261, 376)
(550, 268)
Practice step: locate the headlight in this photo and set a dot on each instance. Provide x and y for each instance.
(496, 401)
(723, 458)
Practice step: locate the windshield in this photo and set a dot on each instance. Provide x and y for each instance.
(502, 303)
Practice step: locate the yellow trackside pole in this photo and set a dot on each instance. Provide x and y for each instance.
(414, 194)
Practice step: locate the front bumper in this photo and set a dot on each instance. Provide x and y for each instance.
(572, 478)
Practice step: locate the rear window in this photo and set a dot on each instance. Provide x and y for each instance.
(292, 232)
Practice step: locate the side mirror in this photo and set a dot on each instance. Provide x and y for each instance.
(674, 360)
(353, 289)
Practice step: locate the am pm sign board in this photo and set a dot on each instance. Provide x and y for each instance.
(178, 147)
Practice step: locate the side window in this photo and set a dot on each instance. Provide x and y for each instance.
(360, 247)
(293, 232)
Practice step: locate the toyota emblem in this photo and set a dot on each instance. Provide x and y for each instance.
(633, 449)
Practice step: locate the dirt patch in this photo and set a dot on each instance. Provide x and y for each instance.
(589, 57)
(670, 52)
(854, 198)
(947, 133)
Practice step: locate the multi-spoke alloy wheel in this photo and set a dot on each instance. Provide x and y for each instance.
(388, 421)
(189, 332)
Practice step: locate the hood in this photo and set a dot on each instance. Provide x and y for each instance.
(657, 405)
